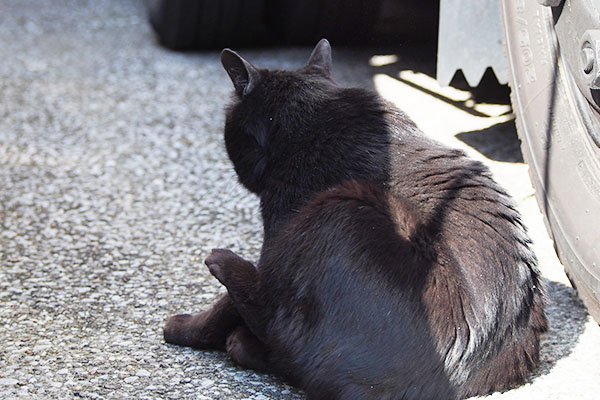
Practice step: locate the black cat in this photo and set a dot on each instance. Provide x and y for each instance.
(392, 266)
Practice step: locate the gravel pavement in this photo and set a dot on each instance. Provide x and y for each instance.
(114, 186)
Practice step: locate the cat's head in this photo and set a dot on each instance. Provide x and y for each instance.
(270, 127)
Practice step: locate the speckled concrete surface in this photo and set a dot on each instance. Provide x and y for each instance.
(114, 185)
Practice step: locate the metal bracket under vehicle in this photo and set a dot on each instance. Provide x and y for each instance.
(470, 39)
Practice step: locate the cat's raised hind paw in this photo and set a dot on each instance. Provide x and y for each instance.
(239, 276)
(229, 268)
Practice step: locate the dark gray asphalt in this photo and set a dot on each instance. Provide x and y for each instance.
(114, 185)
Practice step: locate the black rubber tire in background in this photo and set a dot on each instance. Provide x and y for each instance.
(564, 161)
(307, 21)
(207, 24)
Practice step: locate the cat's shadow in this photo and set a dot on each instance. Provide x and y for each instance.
(498, 142)
(566, 322)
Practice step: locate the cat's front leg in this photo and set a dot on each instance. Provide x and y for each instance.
(206, 330)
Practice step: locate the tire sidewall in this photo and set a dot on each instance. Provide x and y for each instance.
(562, 158)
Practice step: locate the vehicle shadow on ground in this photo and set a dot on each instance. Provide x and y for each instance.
(422, 58)
(498, 142)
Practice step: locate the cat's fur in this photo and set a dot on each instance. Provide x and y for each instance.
(392, 267)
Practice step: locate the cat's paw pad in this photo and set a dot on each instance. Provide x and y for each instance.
(222, 257)
(222, 263)
(219, 260)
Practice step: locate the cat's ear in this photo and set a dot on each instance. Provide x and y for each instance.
(321, 57)
(243, 74)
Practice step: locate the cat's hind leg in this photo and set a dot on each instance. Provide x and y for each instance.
(242, 280)
(206, 330)
(210, 329)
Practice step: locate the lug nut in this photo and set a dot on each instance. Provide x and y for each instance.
(587, 59)
(589, 55)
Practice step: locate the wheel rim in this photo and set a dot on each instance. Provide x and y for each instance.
(577, 27)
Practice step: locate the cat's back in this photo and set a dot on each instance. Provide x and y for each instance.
(461, 205)
(493, 291)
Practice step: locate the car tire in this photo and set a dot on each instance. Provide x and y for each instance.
(306, 22)
(553, 123)
(206, 24)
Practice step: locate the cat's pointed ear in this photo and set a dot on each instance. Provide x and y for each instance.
(321, 57)
(243, 74)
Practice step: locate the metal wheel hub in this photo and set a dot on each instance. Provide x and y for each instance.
(577, 26)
